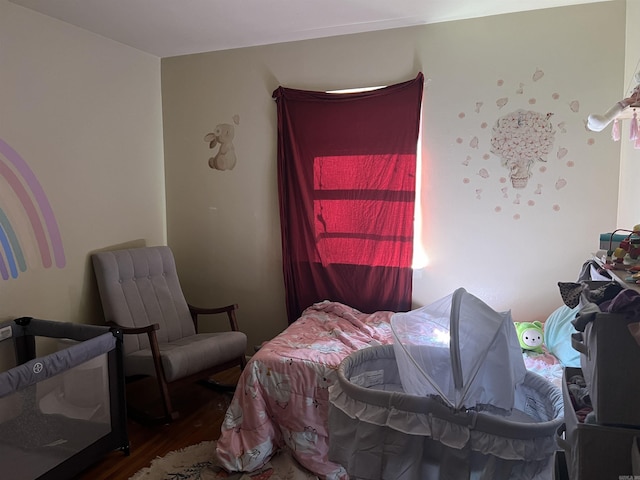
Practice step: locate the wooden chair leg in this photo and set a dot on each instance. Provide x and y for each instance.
(162, 383)
(217, 386)
(166, 400)
(224, 387)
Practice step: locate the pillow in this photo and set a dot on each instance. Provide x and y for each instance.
(557, 336)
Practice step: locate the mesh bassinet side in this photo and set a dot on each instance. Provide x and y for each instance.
(377, 430)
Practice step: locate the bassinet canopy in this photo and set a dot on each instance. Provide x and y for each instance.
(461, 350)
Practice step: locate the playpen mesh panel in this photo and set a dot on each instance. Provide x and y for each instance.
(53, 406)
(46, 423)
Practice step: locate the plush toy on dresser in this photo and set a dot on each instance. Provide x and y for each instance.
(530, 335)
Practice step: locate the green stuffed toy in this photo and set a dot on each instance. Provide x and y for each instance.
(530, 335)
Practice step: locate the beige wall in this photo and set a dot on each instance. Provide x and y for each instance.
(509, 247)
(84, 113)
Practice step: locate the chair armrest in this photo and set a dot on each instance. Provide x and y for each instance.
(150, 330)
(137, 330)
(230, 310)
(212, 310)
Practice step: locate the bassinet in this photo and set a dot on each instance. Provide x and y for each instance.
(475, 412)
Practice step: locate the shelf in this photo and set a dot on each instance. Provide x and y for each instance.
(617, 274)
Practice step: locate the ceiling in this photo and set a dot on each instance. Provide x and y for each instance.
(167, 28)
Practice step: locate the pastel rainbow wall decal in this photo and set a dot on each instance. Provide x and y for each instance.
(35, 205)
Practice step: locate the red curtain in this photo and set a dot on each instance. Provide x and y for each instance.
(346, 181)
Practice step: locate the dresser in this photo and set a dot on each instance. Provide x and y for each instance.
(602, 399)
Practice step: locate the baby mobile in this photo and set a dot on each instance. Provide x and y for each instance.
(617, 112)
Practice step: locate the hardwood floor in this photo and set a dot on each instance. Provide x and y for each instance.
(201, 414)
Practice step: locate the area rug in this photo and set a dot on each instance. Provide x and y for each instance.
(198, 462)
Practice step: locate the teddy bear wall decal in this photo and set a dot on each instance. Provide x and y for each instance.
(222, 136)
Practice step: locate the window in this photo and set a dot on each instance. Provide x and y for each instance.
(350, 192)
(346, 178)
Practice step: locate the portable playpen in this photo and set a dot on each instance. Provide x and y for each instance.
(60, 411)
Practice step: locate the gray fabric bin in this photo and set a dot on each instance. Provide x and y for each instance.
(609, 357)
(593, 451)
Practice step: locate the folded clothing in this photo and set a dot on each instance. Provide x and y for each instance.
(627, 301)
(579, 395)
(572, 291)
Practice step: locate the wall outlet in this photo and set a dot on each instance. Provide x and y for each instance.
(5, 333)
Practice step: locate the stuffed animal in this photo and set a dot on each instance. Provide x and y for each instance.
(530, 335)
(225, 159)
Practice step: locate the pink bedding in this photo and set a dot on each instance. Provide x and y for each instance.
(544, 364)
(277, 405)
(282, 395)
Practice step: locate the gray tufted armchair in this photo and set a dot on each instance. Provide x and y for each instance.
(141, 294)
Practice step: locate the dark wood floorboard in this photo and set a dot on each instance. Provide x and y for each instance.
(201, 414)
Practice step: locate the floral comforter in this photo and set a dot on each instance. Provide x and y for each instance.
(276, 405)
(282, 396)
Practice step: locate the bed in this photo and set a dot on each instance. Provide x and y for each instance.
(282, 397)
